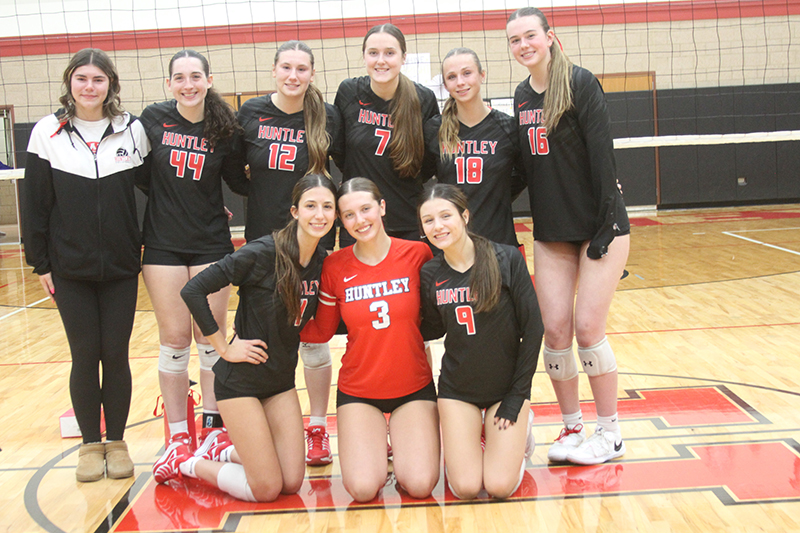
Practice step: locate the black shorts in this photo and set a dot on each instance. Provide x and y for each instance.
(428, 393)
(153, 256)
(223, 392)
(480, 405)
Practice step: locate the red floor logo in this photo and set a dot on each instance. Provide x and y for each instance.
(739, 472)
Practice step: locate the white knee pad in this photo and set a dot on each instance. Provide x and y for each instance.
(233, 480)
(208, 356)
(173, 360)
(560, 364)
(598, 359)
(315, 355)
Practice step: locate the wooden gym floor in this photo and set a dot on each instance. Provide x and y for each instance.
(706, 328)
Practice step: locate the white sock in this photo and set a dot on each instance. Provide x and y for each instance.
(187, 467)
(609, 423)
(572, 420)
(521, 475)
(178, 427)
(233, 480)
(318, 421)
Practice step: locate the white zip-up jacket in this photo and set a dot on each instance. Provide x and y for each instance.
(78, 207)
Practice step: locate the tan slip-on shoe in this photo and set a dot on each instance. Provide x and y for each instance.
(91, 462)
(118, 461)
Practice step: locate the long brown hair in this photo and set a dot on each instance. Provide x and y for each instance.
(485, 281)
(448, 132)
(558, 97)
(96, 57)
(314, 116)
(219, 120)
(287, 250)
(407, 146)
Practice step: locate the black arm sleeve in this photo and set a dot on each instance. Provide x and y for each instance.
(335, 129)
(594, 121)
(432, 326)
(233, 167)
(238, 268)
(38, 201)
(529, 319)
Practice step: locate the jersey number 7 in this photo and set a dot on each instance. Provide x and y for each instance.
(384, 135)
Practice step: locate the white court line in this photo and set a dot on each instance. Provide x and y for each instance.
(732, 234)
(757, 230)
(12, 313)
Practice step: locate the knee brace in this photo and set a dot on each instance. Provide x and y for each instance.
(598, 359)
(233, 480)
(208, 356)
(315, 355)
(560, 364)
(173, 360)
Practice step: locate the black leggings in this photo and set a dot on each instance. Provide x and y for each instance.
(98, 319)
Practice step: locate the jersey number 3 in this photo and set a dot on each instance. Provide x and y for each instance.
(382, 308)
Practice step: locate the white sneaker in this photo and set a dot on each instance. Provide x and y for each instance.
(567, 441)
(602, 446)
(530, 444)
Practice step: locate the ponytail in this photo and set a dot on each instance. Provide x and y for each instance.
(558, 97)
(287, 268)
(485, 281)
(449, 140)
(407, 146)
(219, 122)
(317, 138)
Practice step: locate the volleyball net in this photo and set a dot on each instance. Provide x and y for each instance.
(677, 73)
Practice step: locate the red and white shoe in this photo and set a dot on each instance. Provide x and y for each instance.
(216, 446)
(567, 441)
(178, 451)
(319, 446)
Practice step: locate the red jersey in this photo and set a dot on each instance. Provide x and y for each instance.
(380, 304)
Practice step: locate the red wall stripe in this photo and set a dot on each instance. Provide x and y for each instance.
(410, 24)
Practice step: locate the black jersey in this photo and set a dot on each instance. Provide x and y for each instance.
(484, 168)
(275, 148)
(185, 210)
(367, 132)
(260, 315)
(571, 172)
(490, 356)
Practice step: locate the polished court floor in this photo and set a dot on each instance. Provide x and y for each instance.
(706, 328)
